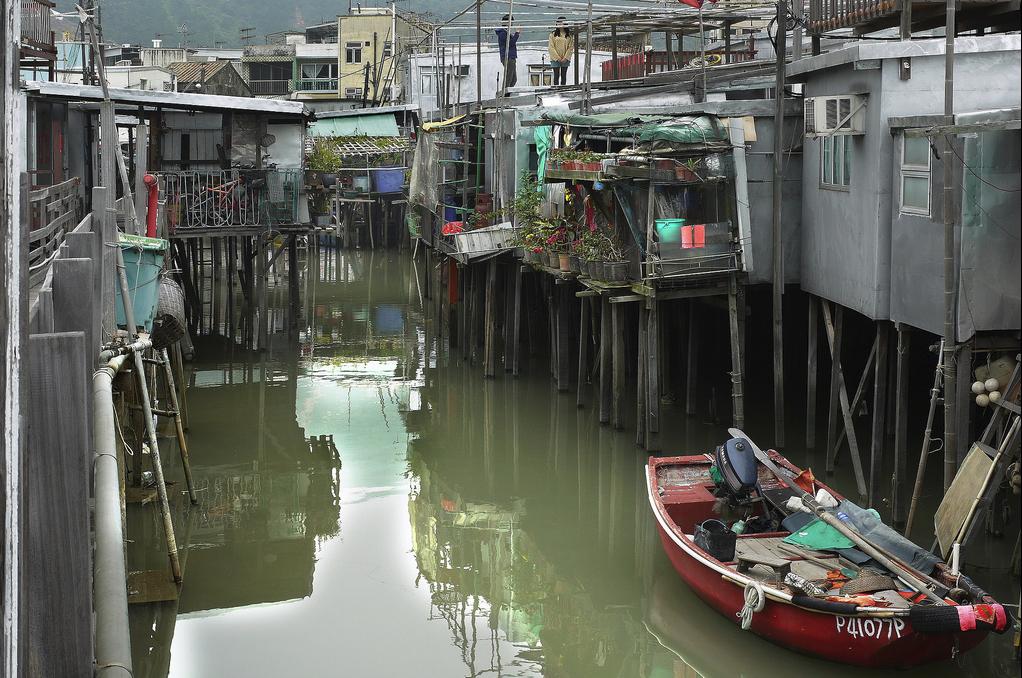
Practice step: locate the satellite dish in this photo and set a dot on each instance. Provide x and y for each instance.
(267, 140)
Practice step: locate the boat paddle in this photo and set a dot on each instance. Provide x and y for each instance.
(874, 552)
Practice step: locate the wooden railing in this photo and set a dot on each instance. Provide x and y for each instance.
(54, 211)
(658, 61)
(827, 15)
(35, 24)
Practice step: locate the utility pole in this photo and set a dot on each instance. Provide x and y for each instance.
(479, 54)
(587, 91)
(778, 250)
(950, 335)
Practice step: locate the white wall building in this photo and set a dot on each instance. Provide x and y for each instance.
(532, 66)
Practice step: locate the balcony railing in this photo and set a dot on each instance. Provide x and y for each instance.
(35, 24)
(826, 15)
(644, 63)
(316, 85)
(230, 198)
(269, 87)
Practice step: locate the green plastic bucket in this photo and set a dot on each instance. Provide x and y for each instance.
(669, 230)
(143, 261)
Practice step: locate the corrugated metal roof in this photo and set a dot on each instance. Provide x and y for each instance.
(373, 125)
(174, 100)
(191, 71)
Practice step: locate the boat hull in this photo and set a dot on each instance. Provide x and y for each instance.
(872, 643)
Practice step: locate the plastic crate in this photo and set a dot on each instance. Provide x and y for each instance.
(481, 240)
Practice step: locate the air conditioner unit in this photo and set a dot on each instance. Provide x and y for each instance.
(460, 71)
(829, 115)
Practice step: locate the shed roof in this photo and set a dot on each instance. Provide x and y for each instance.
(172, 100)
(192, 71)
(371, 125)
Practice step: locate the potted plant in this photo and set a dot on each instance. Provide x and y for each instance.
(388, 173)
(324, 161)
(686, 170)
(590, 161)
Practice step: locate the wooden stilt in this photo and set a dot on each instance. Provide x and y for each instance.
(641, 377)
(618, 367)
(737, 379)
(899, 505)
(490, 326)
(516, 321)
(812, 370)
(606, 387)
(876, 485)
(691, 364)
(834, 330)
(654, 378)
(564, 361)
(583, 352)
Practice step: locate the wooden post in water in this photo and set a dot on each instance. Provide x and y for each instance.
(812, 343)
(516, 321)
(618, 368)
(833, 410)
(490, 327)
(838, 384)
(899, 505)
(606, 386)
(737, 379)
(641, 377)
(583, 352)
(692, 361)
(563, 335)
(876, 485)
(654, 366)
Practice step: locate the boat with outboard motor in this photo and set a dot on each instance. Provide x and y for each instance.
(766, 544)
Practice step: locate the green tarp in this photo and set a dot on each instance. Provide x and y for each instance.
(544, 140)
(819, 536)
(601, 119)
(700, 129)
(373, 125)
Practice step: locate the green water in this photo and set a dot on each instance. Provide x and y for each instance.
(371, 506)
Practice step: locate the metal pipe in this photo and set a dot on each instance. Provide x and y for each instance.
(113, 640)
(777, 235)
(950, 284)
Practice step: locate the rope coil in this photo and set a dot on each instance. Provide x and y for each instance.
(755, 600)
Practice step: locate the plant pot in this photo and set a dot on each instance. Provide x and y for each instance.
(328, 179)
(361, 184)
(571, 165)
(321, 220)
(552, 260)
(617, 271)
(596, 270)
(665, 165)
(574, 264)
(592, 166)
(682, 173)
(312, 178)
(564, 262)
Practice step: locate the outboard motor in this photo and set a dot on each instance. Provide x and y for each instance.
(737, 465)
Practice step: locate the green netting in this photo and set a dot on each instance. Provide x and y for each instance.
(688, 130)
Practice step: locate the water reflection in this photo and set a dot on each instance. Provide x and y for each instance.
(476, 526)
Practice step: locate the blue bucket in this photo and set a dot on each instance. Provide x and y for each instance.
(388, 180)
(143, 261)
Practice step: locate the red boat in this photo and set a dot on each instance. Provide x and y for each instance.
(894, 628)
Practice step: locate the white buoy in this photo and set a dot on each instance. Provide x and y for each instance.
(991, 384)
(982, 400)
(978, 387)
(994, 396)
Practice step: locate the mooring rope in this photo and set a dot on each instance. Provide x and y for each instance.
(754, 602)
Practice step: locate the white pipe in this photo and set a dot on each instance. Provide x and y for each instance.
(113, 640)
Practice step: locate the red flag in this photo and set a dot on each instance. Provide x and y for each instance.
(692, 3)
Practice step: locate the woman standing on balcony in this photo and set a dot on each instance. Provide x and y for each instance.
(562, 43)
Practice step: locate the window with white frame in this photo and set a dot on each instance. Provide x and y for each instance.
(427, 77)
(915, 175)
(541, 74)
(836, 161)
(388, 48)
(353, 52)
(326, 70)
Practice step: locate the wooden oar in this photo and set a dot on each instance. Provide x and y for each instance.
(903, 572)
